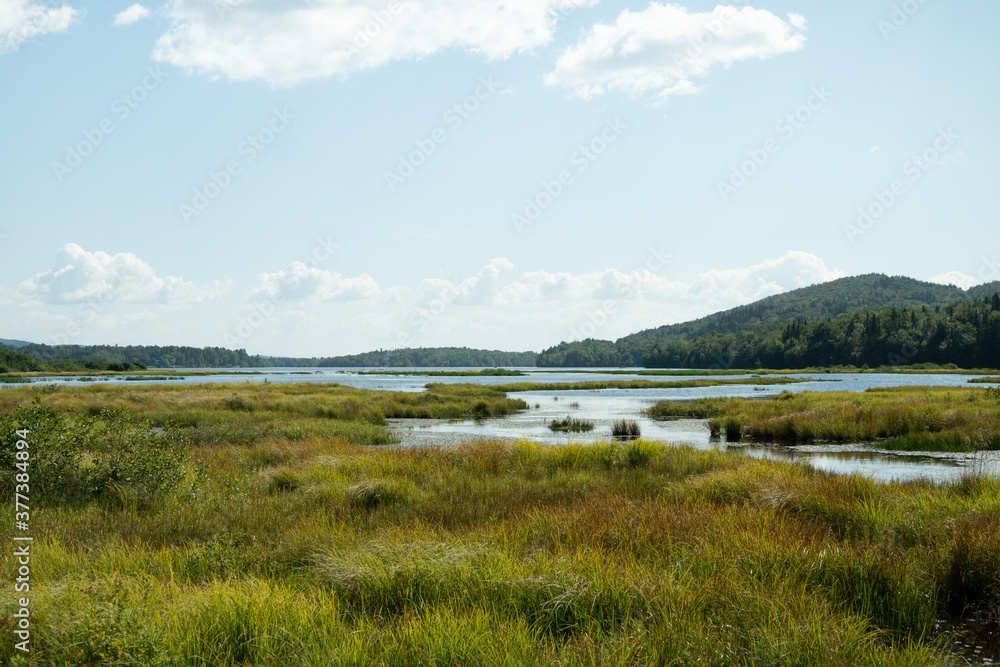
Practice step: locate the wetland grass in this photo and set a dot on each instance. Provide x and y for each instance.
(313, 548)
(904, 418)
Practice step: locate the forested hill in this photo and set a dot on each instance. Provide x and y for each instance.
(966, 334)
(817, 302)
(155, 356)
(434, 357)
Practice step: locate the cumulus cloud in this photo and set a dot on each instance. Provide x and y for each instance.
(131, 15)
(286, 42)
(299, 282)
(79, 276)
(662, 50)
(478, 289)
(956, 278)
(792, 270)
(20, 20)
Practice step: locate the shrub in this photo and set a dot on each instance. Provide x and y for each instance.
(109, 455)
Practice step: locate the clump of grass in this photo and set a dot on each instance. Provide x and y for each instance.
(283, 480)
(371, 494)
(624, 429)
(14, 379)
(238, 403)
(572, 425)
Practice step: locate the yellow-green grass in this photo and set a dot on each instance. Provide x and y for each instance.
(910, 418)
(248, 413)
(643, 384)
(319, 551)
(986, 380)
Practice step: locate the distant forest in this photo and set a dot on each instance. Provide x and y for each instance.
(966, 334)
(434, 357)
(96, 357)
(14, 362)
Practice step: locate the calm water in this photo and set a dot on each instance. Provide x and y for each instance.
(604, 406)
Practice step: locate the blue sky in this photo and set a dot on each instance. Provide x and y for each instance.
(266, 175)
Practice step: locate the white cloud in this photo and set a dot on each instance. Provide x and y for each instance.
(873, 150)
(663, 49)
(20, 20)
(79, 276)
(956, 278)
(478, 289)
(299, 282)
(286, 42)
(792, 270)
(131, 15)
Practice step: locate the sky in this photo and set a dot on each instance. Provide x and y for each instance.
(326, 177)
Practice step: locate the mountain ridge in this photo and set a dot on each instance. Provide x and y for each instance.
(813, 302)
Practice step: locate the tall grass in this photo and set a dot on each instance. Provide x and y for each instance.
(911, 418)
(644, 384)
(319, 550)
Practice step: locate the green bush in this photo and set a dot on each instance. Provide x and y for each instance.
(91, 457)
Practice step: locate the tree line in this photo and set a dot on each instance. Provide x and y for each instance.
(966, 334)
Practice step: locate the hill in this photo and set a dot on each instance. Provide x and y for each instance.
(13, 343)
(816, 302)
(965, 334)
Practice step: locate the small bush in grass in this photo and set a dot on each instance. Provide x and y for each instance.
(109, 455)
(238, 403)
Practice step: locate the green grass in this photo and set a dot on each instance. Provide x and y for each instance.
(572, 425)
(906, 418)
(309, 548)
(643, 384)
(253, 413)
(986, 380)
